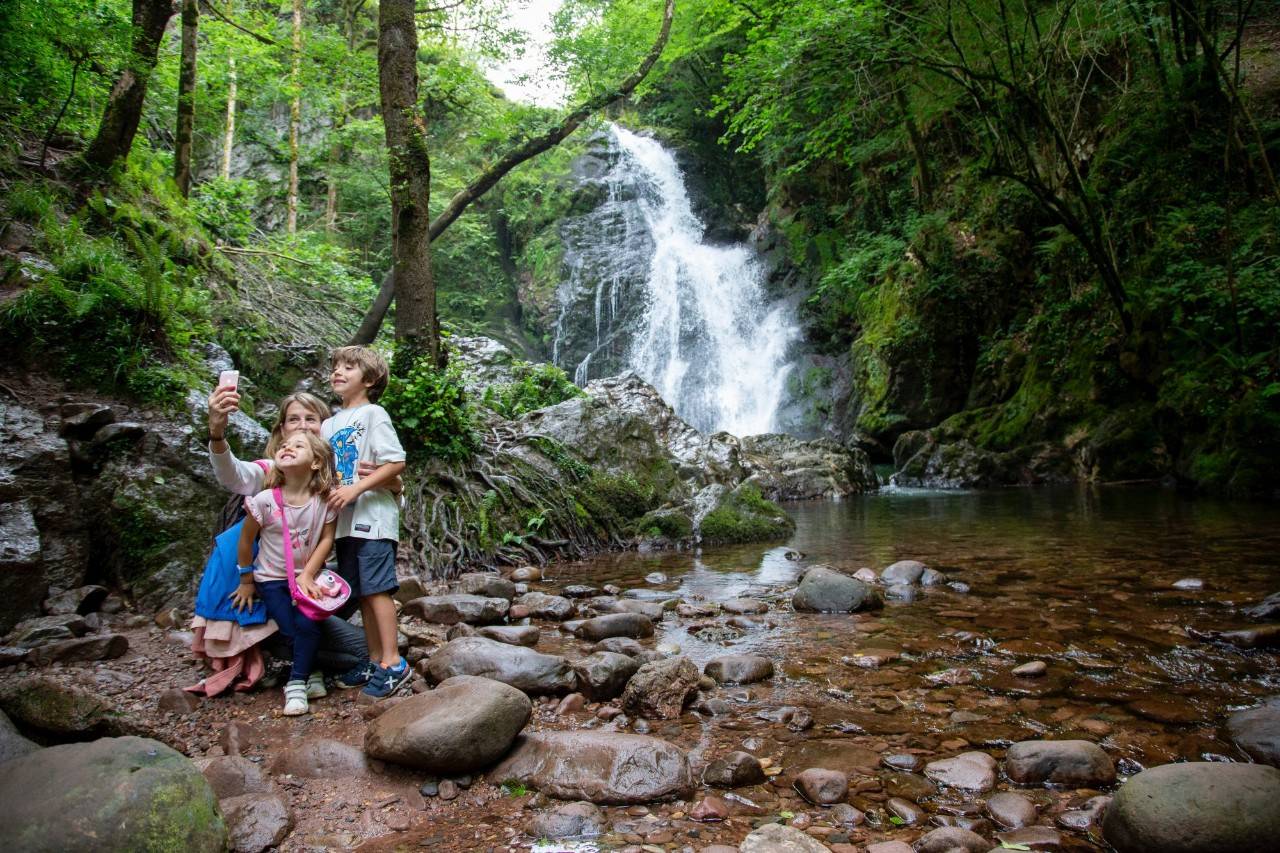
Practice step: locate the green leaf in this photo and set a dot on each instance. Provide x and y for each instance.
(1007, 846)
(895, 820)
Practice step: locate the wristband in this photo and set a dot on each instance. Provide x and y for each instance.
(244, 570)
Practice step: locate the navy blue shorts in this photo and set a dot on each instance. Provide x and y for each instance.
(369, 565)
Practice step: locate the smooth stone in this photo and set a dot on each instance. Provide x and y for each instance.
(619, 645)
(522, 668)
(969, 771)
(524, 574)
(631, 625)
(126, 793)
(710, 808)
(465, 724)
(1031, 669)
(458, 607)
(903, 571)
(846, 815)
(602, 767)
(1088, 817)
(178, 701)
(578, 590)
(651, 609)
(890, 847)
(1257, 732)
(1073, 763)
(908, 812)
(1196, 807)
(321, 758)
(661, 689)
(235, 776)
(824, 590)
(485, 584)
(570, 704)
(776, 838)
(932, 577)
(256, 822)
(512, 635)
(604, 675)
(903, 761)
(570, 820)
(735, 770)
(951, 839)
(655, 578)
(539, 605)
(744, 606)
(822, 787)
(1011, 810)
(903, 592)
(1188, 584)
(739, 669)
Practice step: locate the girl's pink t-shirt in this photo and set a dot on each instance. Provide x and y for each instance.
(306, 524)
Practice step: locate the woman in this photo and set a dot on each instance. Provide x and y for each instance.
(342, 645)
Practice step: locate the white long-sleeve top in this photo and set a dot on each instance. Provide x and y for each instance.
(235, 475)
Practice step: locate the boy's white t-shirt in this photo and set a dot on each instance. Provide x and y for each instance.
(365, 434)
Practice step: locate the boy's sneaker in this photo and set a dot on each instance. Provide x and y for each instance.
(358, 676)
(315, 686)
(388, 680)
(295, 698)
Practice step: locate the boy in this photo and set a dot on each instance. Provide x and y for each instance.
(369, 517)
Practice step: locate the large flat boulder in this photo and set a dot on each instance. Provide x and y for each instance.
(602, 767)
(125, 793)
(520, 667)
(824, 590)
(458, 607)
(1075, 763)
(1198, 807)
(465, 724)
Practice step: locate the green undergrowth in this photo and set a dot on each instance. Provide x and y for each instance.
(535, 386)
(432, 412)
(744, 515)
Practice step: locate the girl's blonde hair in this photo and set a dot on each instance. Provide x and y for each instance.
(322, 478)
(308, 401)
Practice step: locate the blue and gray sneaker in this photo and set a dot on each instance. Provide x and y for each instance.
(386, 681)
(358, 676)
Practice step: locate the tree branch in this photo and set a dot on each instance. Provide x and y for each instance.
(212, 10)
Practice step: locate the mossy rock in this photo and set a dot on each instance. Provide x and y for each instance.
(743, 515)
(670, 524)
(127, 794)
(58, 711)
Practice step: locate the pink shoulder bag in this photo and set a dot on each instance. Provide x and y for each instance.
(335, 590)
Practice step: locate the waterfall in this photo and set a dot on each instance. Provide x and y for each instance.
(691, 318)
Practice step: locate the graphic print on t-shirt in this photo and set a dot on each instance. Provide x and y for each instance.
(346, 452)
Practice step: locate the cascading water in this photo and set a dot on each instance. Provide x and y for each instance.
(691, 318)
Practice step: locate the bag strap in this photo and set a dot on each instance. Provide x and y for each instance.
(263, 464)
(288, 540)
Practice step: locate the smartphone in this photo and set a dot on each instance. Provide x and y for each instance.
(229, 379)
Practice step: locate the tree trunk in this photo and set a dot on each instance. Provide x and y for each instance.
(124, 105)
(186, 97)
(410, 171)
(335, 158)
(295, 119)
(229, 135)
(525, 151)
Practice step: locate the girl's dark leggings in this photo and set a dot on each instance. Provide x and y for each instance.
(341, 647)
(301, 632)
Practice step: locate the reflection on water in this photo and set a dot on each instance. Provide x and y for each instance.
(1079, 578)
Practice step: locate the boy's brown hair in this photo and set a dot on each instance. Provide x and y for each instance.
(322, 478)
(373, 367)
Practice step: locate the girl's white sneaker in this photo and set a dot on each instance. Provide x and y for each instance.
(315, 686)
(295, 698)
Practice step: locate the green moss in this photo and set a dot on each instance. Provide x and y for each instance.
(745, 516)
(628, 495)
(669, 523)
(182, 815)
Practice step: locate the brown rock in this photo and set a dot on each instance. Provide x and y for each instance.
(603, 767)
(710, 809)
(178, 701)
(1011, 810)
(233, 776)
(822, 787)
(1077, 763)
(321, 758)
(256, 822)
(236, 737)
(660, 690)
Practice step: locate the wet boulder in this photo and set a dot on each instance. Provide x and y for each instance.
(660, 689)
(903, 571)
(520, 667)
(1257, 731)
(1197, 807)
(824, 590)
(606, 768)
(1011, 810)
(465, 724)
(604, 675)
(631, 625)
(1074, 763)
(458, 607)
(571, 820)
(735, 770)
(822, 787)
(739, 669)
(512, 635)
(125, 793)
(776, 838)
(969, 771)
(542, 606)
(484, 584)
(651, 609)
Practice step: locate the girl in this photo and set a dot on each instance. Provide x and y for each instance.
(304, 471)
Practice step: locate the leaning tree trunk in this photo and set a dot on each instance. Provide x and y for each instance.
(186, 97)
(124, 105)
(295, 119)
(527, 150)
(410, 172)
